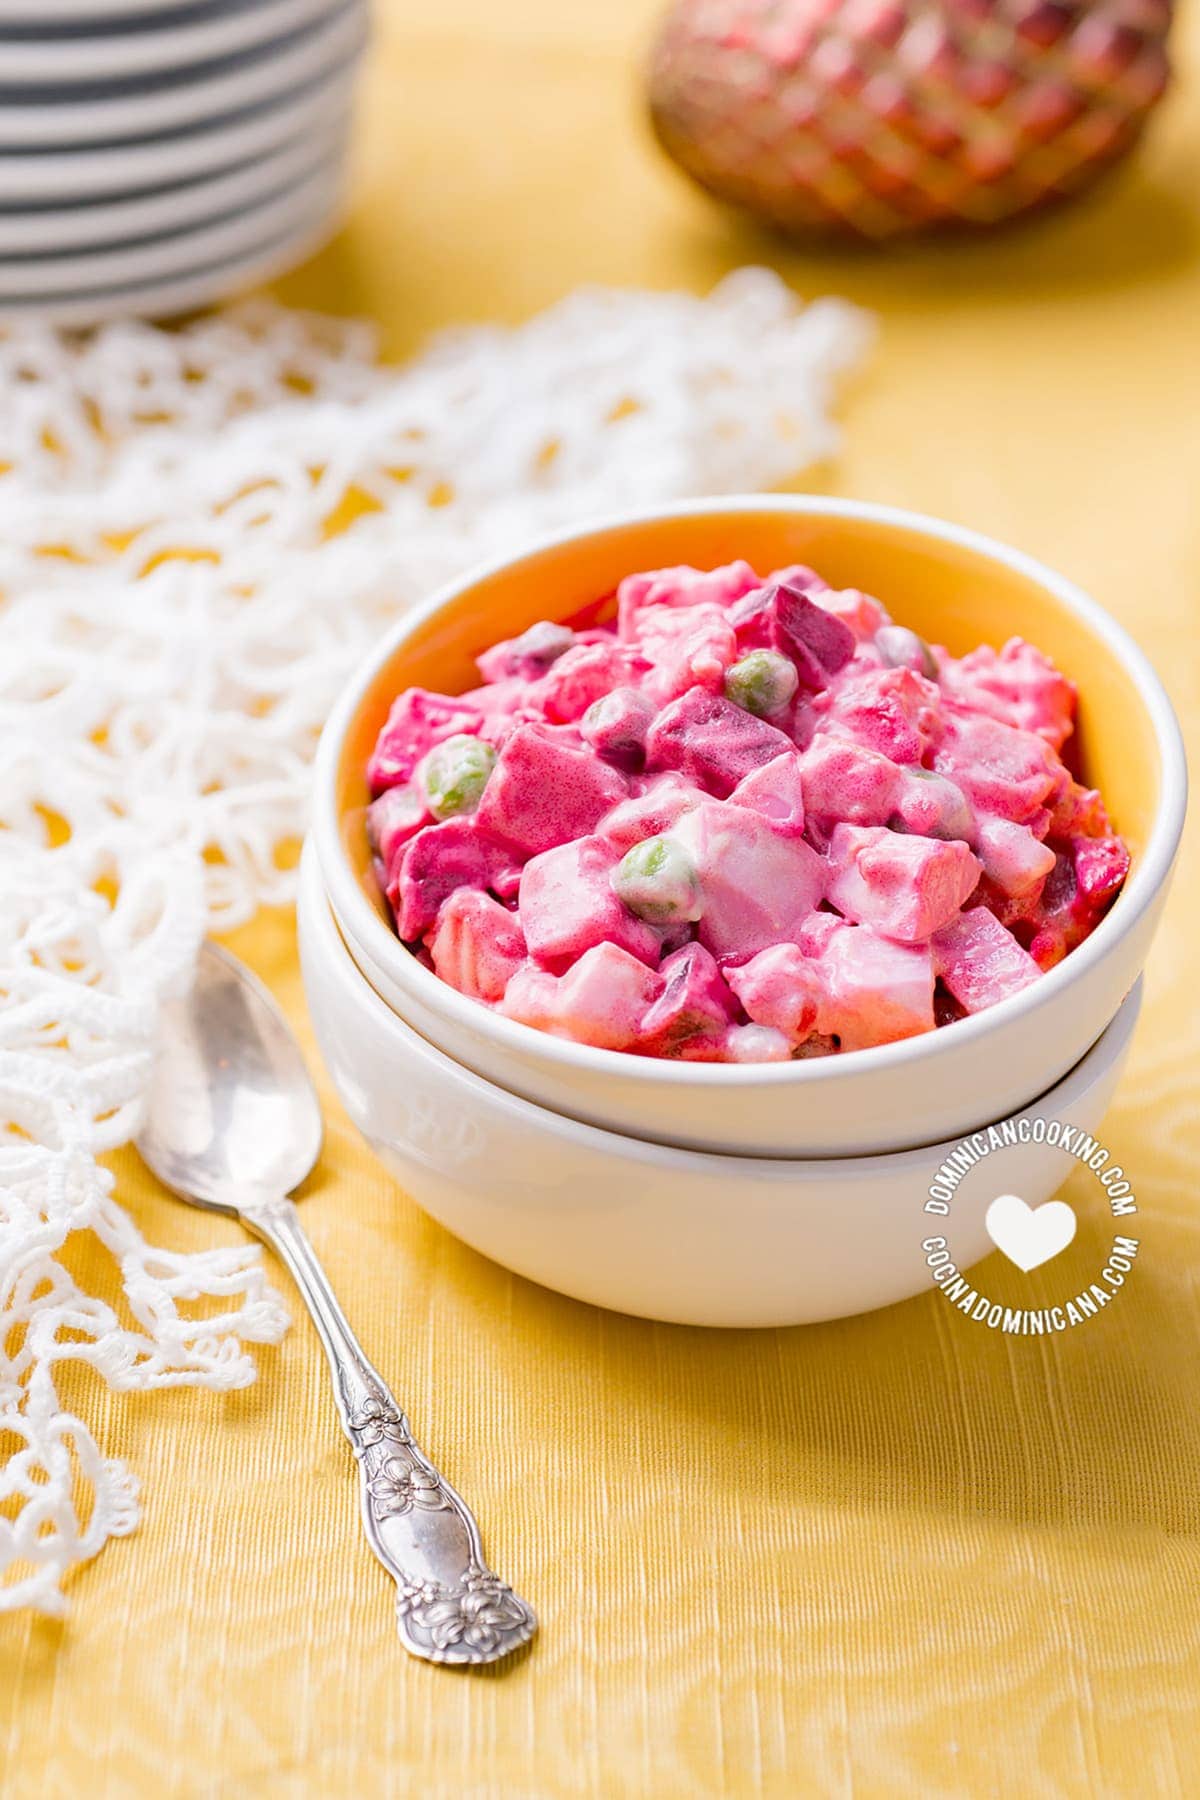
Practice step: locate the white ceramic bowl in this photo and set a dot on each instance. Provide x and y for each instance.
(951, 585)
(668, 1234)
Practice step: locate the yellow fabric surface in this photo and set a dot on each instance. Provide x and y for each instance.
(897, 1555)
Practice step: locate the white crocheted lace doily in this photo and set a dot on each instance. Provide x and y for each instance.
(177, 615)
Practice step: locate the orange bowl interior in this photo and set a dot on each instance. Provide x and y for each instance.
(950, 593)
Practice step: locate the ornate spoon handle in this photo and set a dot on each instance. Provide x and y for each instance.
(449, 1605)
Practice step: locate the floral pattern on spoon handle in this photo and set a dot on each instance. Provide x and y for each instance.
(450, 1607)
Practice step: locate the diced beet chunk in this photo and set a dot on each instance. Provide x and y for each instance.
(780, 989)
(661, 803)
(583, 675)
(756, 885)
(543, 792)
(527, 656)
(843, 781)
(713, 742)
(685, 647)
(397, 815)
(1001, 770)
(1101, 865)
(980, 961)
(799, 575)
(858, 611)
(891, 711)
(418, 720)
(776, 790)
(906, 887)
(1077, 812)
(696, 1002)
(1018, 685)
(506, 882)
(438, 861)
(679, 587)
(874, 991)
(478, 945)
(1088, 874)
(615, 726)
(1012, 857)
(567, 905)
(781, 616)
(855, 985)
(601, 1000)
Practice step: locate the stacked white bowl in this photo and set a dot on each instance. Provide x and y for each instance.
(710, 1193)
(156, 155)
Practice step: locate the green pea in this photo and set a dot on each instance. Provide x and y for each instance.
(657, 881)
(454, 775)
(762, 682)
(901, 648)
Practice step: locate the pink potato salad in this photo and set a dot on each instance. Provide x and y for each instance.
(746, 821)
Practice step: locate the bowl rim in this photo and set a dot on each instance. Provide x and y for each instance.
(359, 919)
(531, 1114)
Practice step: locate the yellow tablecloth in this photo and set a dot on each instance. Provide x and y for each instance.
(894, 1556)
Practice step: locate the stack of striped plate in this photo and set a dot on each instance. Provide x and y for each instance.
(158, 154)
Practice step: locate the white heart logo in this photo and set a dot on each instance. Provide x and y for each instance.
(1029, 1235)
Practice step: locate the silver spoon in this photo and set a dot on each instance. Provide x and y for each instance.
(233, 1124)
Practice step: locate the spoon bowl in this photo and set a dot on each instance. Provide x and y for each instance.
(232, 1117)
